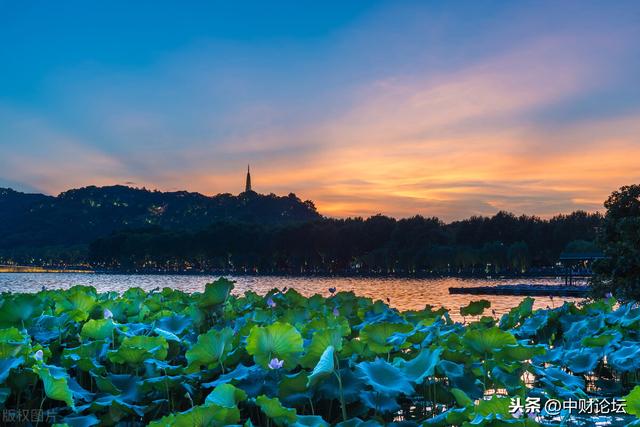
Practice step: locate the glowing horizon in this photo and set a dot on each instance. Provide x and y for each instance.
(447, 110)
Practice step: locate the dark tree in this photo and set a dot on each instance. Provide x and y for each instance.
(619, 272)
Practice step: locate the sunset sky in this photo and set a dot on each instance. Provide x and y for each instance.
(444, 108)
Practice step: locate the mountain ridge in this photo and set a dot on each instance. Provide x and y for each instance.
(80, 215)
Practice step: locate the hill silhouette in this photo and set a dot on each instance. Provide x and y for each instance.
(79, 216)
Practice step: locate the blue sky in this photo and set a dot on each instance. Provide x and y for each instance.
(437, 108)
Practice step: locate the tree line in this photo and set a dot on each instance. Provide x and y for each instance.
(503, 243)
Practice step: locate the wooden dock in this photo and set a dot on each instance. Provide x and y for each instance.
(525, 290)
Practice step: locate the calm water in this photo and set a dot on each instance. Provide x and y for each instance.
(404, 294)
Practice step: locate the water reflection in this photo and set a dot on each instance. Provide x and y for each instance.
(404, 294)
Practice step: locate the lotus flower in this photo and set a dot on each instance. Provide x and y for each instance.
(39, 355)
(336, 312)
(609, 295)
(107, 313)
(276, 363)
(332, 290)
(270, 303)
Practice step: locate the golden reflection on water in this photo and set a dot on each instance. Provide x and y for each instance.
(403, 293)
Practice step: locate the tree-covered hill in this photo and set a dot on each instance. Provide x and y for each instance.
(81, 215)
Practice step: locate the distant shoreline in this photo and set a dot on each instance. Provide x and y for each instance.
(35, 269)
(421, 275)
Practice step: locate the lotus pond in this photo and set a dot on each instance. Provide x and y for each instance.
(166, 357)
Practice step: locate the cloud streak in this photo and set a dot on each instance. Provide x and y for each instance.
(363, 120)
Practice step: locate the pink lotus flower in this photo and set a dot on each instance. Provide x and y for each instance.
(276, 363)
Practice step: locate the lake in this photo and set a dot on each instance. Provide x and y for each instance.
(403, 293)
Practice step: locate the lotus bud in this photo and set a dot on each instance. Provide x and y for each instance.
(609, 295)
(39, 355)
(276, 363)
(107, 313)
(270, 303)
(336, 312)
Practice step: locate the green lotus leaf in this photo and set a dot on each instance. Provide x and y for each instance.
(461, 397)
(55, 382)
(200, 416)
(320, 340)
(375, 335)
(421, 366)
(633, 401)
(384, 377)
(475, 308)
(6, 365)
(494, 406)
(517, 314)
(273, 409)
(226, 396)
(211, 348)
(278, 340)
(135, 350)
(77, 302)
(99, 329)
(324, 368)
(489, 340)
(13, 343)
(309, 421)
(18, 309)
(324, 322)
(601, 340)
(215, 293)
(520, 352)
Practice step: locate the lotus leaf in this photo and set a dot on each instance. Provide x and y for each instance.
(55, 382)
(13, 343)
(475, 308)
(486, 341)
(226, 396)
(278, 340)
(200, 416)
(375, 335)
(99, 329)
(421, 366)
(215, 293)
(384, 377)
(324, 368)
(134, 350)
(273, 409)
